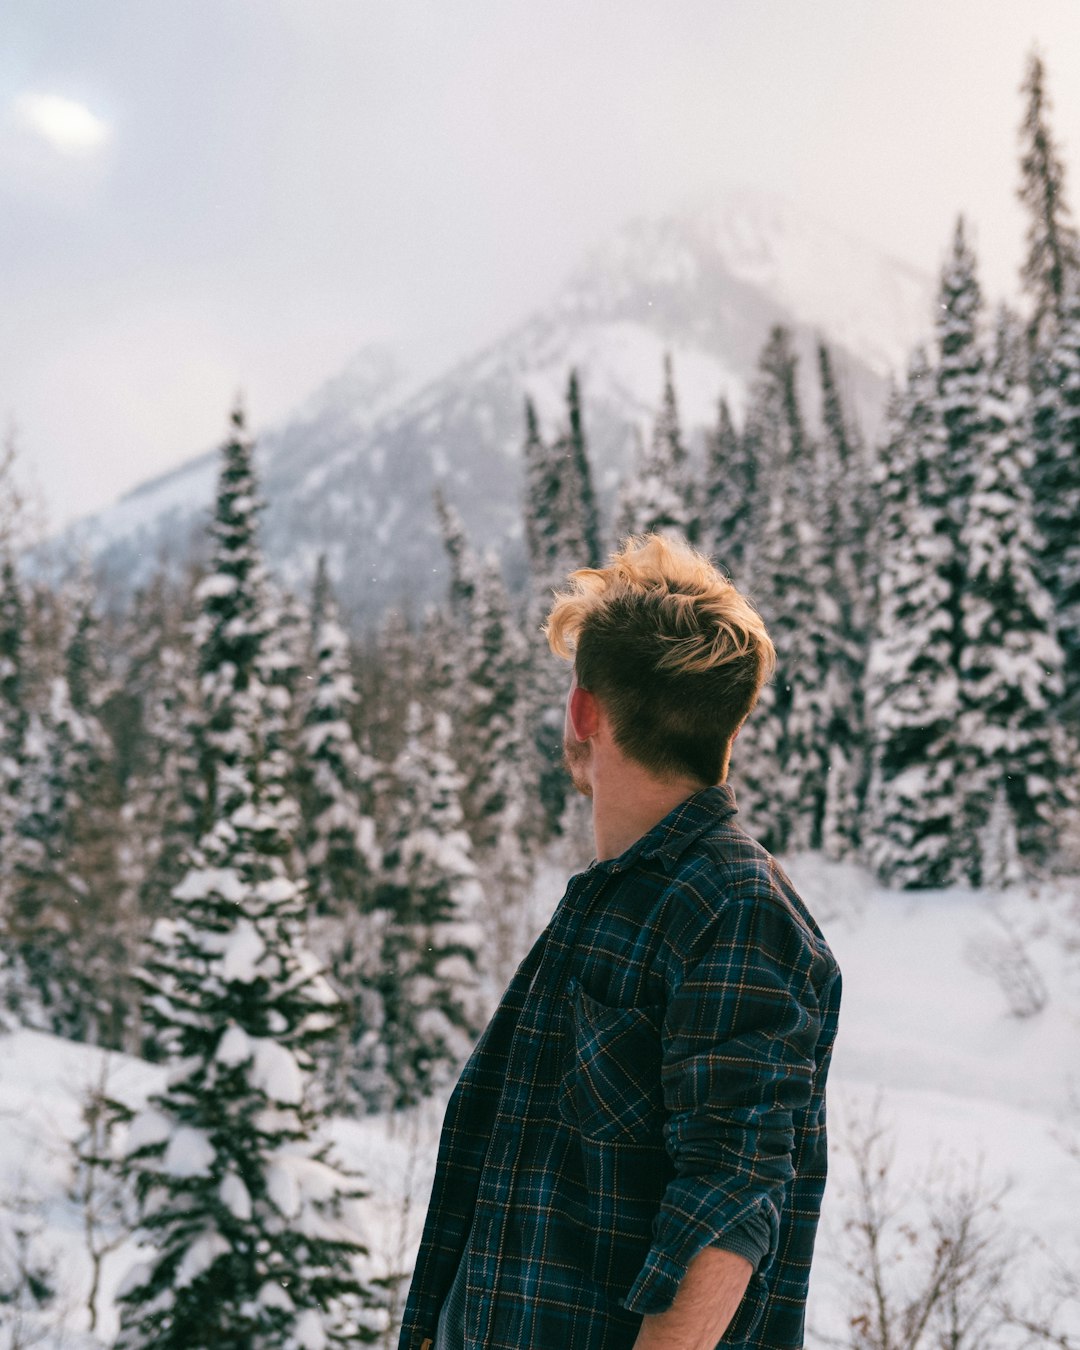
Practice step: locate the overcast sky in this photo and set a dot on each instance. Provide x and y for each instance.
(196, 197)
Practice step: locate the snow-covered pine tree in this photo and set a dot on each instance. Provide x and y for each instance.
(162, 792)
(322, 594)
(1051, 279)
(727, 495)
(843, 608)
(13, 724)
(494, 744)
(428, 983)
(162, 789)
(247, 1218)
(780, 754)
(756, 769)
(500, 785)
(914, 803)
(1055, 481)
(459, 555)
(561, 522)
(336, 778)
(961, 383)
(342, 860)
(848, 496)
(659, 495)
(1052, 264)
(1010, 660)
(389, 673)
(540, 495)
(578, 496)
(285, 669)
(68, 937)
(562, 533)
(489, 679)
(501, 797)
(13, 713)
(961, 379)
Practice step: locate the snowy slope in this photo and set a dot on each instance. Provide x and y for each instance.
(924, 1029)
(164, 520)
(352, 472)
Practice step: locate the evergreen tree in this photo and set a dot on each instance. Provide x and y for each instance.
(13, 726)
(757, 767)
(847, 499)
(492, 738)
(1052, 264)
(336, 778)
(162, 803)
(390, 671)
(728, 494)
(337, 784)
(487, 695)
(167, 780)
(578, 495)
(562, 533)
(961, 378)
(843, 608)
(1051, 278)
(561, 523)
(1055, 480)
(541, 495)
(67, 933)
(659, 495)
(462, 564)
(154, 731)
(322, 594)
(427, 982)
(914, 807)
(243, 1209)
(285, 662)
(13, 713)
(1011, 664)
(781, 760)
(501, 792)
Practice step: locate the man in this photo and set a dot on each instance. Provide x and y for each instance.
(635, 1153)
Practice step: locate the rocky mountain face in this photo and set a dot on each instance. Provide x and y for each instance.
(351, 474)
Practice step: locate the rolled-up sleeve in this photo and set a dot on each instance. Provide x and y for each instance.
(740, 1031)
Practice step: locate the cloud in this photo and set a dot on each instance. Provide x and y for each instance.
(67, 126)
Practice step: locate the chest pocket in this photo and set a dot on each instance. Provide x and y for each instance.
(611, 1087)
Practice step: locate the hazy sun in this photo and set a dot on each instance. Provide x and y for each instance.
(66, 125)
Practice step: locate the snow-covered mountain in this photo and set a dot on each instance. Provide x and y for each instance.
(352, 472)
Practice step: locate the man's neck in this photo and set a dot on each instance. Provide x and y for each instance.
(628, 801)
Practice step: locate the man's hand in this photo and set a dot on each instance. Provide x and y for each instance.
(704, 1305)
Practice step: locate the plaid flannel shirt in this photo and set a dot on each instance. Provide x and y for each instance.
(653, 1077)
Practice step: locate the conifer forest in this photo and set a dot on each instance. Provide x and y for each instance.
(292, 863)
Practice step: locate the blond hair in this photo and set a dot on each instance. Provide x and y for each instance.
(676, 654)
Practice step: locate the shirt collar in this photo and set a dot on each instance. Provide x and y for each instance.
(673, 835)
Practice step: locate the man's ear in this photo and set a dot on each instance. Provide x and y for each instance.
(584, 713)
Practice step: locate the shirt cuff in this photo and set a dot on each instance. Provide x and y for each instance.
(655, 1291)
(750, 1239)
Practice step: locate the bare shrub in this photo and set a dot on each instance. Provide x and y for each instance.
(1003, 955)
(935, 1266)
(98, 1188)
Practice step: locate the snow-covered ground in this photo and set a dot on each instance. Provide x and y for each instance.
(964, 1088)
(968, 1092)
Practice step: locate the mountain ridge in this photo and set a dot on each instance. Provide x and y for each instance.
(351, 472)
